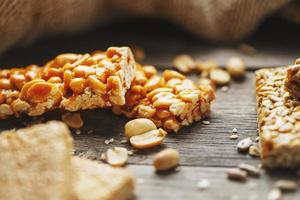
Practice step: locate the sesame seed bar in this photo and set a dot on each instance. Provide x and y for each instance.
(292, 82)
(170, 100)
(278, 120)
(70, 82)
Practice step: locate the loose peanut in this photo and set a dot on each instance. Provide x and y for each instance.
(73, 120)
(77, 85)
(148, 139)
(219, 76)
(138, 126)
(236, 67)
(166, 159)
(206, 66)
(184, 63)
(297, 62)
(117, 156)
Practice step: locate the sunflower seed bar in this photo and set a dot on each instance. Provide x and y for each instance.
(70, 82)
(292, 82)
(278, 120)
(170, 101)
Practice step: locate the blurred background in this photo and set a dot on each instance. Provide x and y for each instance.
(261, 32)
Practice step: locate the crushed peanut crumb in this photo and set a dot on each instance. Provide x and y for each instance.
(234, 137)
(203, 184)
(206, 122)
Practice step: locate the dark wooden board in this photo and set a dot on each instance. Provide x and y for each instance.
(206, 150)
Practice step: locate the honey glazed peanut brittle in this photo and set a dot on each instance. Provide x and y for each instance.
(170, 101)
(70, 82)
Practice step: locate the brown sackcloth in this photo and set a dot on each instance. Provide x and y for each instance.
(216, 20)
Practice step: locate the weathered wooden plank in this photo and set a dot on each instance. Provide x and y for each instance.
(182, 184)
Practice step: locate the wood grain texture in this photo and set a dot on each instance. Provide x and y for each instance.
(182, 185)
(206, 150)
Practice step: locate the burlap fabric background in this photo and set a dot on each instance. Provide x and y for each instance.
(217, 20)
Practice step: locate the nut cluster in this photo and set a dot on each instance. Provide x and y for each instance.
(70, 81)
(170, 101)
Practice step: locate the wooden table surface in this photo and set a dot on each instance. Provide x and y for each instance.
(206, 150)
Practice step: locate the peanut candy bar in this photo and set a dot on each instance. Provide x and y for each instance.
(292, 82)
(278, 120)
(170, 101)
(70, 82)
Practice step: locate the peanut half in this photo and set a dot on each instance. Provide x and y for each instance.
(166, 159)
(219, 76)
(236, 67)
(184, 63)
(73, 120)
(138, 126)
(116, 156)
(148, 139)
